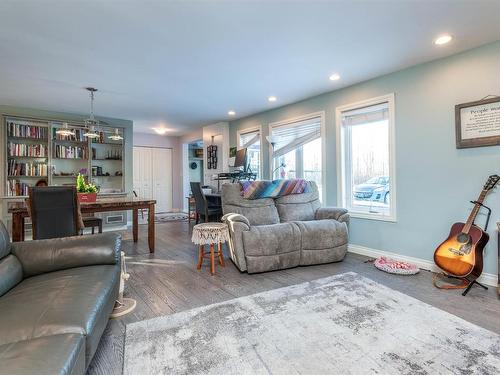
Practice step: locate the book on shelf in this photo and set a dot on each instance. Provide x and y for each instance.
(29, 169)
(17, 188)
(78, 137)
(70, 152)
(26, 130)
(26, 150)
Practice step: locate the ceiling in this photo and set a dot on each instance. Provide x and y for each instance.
(183, 64)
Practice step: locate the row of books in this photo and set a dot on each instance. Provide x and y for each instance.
(17, 188)
(22, 149)
(26, 169)
(70, 152)
(103, 139)
(78, 137)
(26, 131)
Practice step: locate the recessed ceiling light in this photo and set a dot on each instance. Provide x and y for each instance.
(231, 113)
(443, 39)
(272, 98)
(160, 131)
(334, 77)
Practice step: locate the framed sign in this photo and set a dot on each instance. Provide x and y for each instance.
(477, 124)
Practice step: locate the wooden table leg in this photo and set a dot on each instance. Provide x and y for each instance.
(151, 228)
(23, 232)
(200, 256)
(221, 256)
(212, 259)
(17, 227)
(135, 223)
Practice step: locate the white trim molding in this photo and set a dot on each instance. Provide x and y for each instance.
(341, 162)
(258, 128)
(486, 278)
(290, 122)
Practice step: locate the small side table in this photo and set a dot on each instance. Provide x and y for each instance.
(210, 234)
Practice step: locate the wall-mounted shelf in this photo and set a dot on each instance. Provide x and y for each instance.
(39, 136)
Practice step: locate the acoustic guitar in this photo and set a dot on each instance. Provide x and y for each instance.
(461, 254)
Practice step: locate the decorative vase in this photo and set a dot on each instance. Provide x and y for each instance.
(87, 197)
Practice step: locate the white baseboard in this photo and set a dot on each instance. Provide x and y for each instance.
(486, 278)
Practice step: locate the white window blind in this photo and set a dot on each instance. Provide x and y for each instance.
(294, 135)
(366, 115)
(248, 139)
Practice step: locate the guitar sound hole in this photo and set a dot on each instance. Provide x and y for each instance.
(464, 238)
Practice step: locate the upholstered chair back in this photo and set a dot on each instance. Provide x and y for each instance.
(54, 211)
(257, 211)
(11, 271)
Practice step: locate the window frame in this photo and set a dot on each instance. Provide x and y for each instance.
(252, 129)
(289, 122)
(341, 157)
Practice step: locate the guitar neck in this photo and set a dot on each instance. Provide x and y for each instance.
(475, 211)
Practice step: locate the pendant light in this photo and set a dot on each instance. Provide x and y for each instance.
(65, 131)
(116, 136)
(91, 124)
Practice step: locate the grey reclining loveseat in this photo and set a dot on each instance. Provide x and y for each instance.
(55, 299)
(294, 230)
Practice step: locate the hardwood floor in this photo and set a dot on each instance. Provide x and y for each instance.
(167, 282)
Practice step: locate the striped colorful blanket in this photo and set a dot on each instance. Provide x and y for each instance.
(273, 189)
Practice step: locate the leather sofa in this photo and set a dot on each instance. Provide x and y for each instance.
(294, 230)
(55, 299)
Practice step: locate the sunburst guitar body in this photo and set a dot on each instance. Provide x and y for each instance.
(461, 255)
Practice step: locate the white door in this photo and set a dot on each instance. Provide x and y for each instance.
(162, 178)
(143, 184)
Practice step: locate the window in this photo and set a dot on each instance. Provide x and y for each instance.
(250, 139)
(365, 134)
(298, 149)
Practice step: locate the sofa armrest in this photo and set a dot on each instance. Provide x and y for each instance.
(42, 256)
(235, 218)
(336, 213)
(238, 224)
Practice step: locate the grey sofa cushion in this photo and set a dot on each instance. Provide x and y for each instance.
(55, 355)
(257, 211)
(323, 241)
(76, 300)
(42, 256)
(271, 247)
(299, 207)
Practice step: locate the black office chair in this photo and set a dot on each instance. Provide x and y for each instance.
(53, 211)
(203, 207)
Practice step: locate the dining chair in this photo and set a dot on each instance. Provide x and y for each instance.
(54, 211)
(203, 206)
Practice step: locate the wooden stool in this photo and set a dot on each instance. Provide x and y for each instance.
(210, 234)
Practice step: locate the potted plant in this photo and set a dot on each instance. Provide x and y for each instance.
(86, 192)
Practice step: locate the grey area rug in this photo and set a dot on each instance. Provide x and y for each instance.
(345, 324)
(170, 216)
(166, 217)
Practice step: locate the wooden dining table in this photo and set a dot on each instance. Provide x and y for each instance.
(19, 212)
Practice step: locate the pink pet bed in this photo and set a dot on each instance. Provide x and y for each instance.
(394, 266)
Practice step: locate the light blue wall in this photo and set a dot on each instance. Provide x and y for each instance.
(435, 181)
